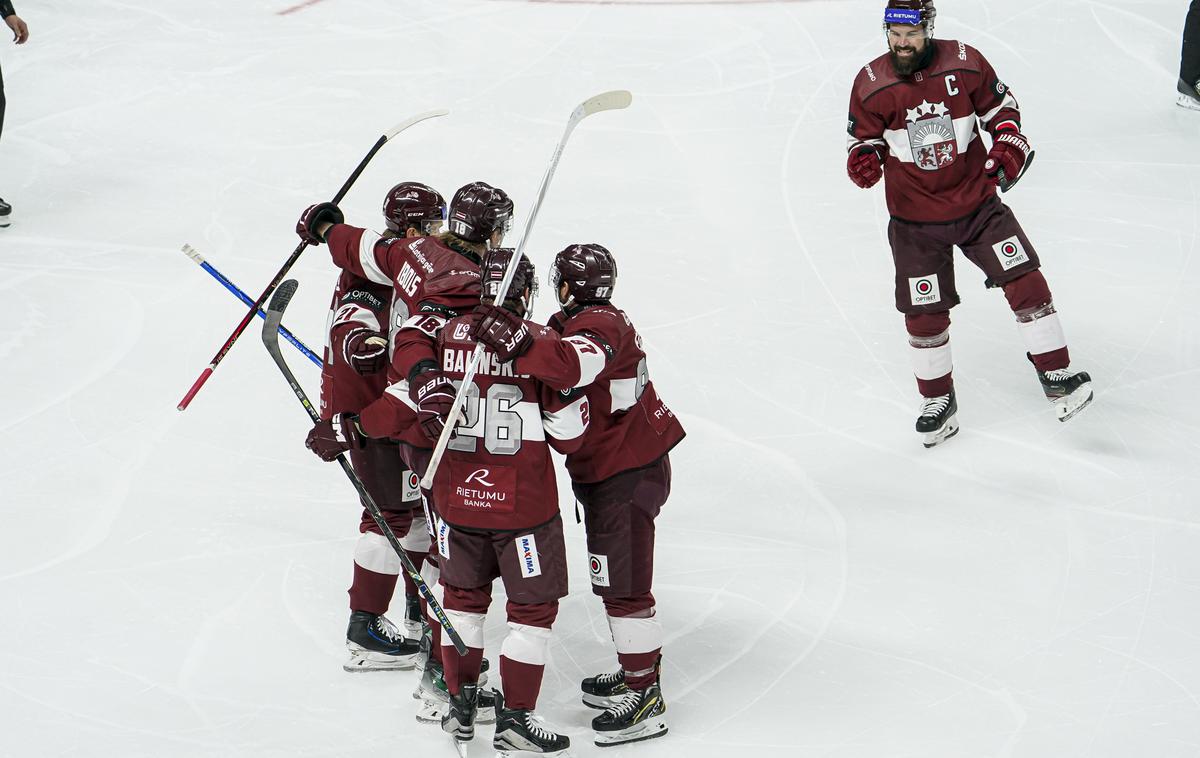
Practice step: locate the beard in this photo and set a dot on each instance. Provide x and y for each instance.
(907, 65)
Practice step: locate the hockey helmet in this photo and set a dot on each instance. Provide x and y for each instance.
(911, 12)
(477, 210)
(413, 204)
(589, 271)
(522, 288)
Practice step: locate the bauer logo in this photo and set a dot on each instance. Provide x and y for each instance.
(528, 555)
(1010, 253)
(924, 290)
(598, 567)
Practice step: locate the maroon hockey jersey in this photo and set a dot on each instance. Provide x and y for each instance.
(430, 284)
(497, 473)
(926, 127)
(357, 304)
(599, 356)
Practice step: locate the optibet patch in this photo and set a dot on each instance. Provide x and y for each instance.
(1010, 253)
(527, 554)
(924, 290)
(598, 567)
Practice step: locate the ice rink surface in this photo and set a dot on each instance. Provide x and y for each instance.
(174, 584)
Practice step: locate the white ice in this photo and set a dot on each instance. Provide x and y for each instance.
(173, 584)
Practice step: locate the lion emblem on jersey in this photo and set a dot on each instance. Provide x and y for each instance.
(931, 136)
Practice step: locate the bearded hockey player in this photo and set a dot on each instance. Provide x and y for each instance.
(354, 375)
(621, 473)
(915, 119)
(498, 517)
(433, 278)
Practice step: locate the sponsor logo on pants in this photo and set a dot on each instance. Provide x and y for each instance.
(412, 486)
(443, 539)
(598, 566)
(1010, 253)
(924, 289)
(528, 555)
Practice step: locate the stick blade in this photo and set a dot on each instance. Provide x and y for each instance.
(606, 101)
(283, 295)
(389, 134)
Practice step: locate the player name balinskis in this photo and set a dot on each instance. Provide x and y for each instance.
(489, 365)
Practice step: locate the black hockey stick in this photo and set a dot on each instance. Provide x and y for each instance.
(1005, 184)
(241, 327)
(270, 338)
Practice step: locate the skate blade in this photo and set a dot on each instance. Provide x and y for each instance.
(948, 430)
(1190, 103)
(1067, 407)
(432, 711)
(359, 665)
(461, 747)
(564, 753)
(647, 730)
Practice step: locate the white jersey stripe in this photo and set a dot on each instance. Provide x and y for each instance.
(366, 256)
(591, 358)
(567, 424)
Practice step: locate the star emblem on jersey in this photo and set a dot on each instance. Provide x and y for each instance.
(931, 136)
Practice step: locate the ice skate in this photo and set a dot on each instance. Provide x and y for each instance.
(1189, 95)
(1070, 391)
(521, 733)
(638, 715)
(603, 690)
(938, 419)
(376, 645)
(5, 214)
(459, 721)
(434, 696)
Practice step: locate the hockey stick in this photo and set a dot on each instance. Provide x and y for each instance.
(200, 380)
(194, 254)
(270, 338)
(606, 101)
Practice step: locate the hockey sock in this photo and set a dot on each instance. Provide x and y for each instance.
(638, 637)
(524, 652)
(1038, 322)
(376, 569)
(410, 587)
(1189, 62)
(461, 669)
(929, 352)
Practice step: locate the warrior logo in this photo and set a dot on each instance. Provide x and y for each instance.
(931, 136)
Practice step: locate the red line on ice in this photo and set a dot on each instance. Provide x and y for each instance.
(298, 7)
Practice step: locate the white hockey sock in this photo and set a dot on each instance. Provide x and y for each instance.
(636, 635)
(526, 644)
(930, 356)
(374, 553)
(1041, 329)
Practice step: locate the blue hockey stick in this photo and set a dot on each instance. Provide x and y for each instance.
(194, 254)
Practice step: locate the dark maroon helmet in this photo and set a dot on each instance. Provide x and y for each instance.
(477, 210)
(590, 272)
(524, 282)
(413, 204)
(911, 12)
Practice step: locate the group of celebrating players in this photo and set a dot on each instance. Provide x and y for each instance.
(413, 303)
(409, 308)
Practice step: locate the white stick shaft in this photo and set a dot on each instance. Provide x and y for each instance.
(390, 133)
(606, 101)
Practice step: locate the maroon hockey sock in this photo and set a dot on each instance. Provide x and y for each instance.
(417, 558)
(639, 668)
(435, 636)
(936, 387)
(1051, 361)
(371, 591)
(522, 682)
(462, 669)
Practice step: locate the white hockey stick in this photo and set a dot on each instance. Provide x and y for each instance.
(606, 101)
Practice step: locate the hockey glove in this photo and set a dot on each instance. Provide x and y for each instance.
(865, 166)
(503, 331)
(365, 351)
(329, 439)
(1007, 159)
(313, 217)
(433, 394)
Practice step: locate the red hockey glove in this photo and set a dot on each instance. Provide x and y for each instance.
(313, 217)
(433, 394)
(1007, 158)
(365, 351)
(865, 166)
(503, 331)
(329, 439)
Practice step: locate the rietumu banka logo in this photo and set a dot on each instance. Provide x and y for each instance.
(528, 555)
(479, 491)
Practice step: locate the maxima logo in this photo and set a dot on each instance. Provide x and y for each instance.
(528, 555)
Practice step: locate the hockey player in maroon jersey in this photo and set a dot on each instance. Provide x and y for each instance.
(354, 375)
(621, 473)
(915, 114)
(433, 279)
(498, 518)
